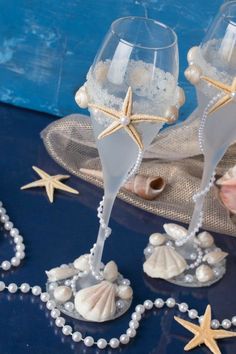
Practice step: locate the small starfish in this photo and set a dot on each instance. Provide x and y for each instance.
(230, 92)
(125, 119)
(50, 183)
(203, 334)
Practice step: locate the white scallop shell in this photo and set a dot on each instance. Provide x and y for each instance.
(175, 231)
(62, 293)
(164, 263)
(110, 272)
(82, 263)
(205, 239)
(204, 273)
(60, 273)
(97, 303)
(125, 292)
(157, 239)
(215, 257)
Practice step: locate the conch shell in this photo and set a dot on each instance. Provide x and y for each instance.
(145, 187)
(97, 303)
(227, 190)
(164, 263)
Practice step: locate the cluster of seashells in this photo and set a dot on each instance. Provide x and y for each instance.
(97, 303)
(165, 262)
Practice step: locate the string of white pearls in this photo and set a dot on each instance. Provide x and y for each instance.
(134, 323)
(18, 240)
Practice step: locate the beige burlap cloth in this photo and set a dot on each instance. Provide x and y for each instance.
(174, 155)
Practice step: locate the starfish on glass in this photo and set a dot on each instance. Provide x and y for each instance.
(203, 334)
(229, 90)
(125, 119)
(50, 183)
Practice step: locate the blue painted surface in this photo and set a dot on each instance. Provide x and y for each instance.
(46, 47)
(58, 233)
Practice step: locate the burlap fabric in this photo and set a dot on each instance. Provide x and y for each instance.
(174, 155)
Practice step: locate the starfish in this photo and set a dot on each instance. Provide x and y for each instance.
(203, 334)
(50, 183)
(125, 119)
(230, 92)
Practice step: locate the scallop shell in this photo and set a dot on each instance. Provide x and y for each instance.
(97, 303)
(204, 273)
(164, 263)
(82, 263)
(110, 272)
(205, 239)
(175, 231)
(62, 293)
(125, 292)
(157, 239)
(60, 273)
(215, 257)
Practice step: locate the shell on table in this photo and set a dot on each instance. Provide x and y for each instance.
(125, 292)
(215, 257)
(157, 239)
(175, 231)
(229, 178)
(110, 271)
(60, 273)
(62, 293)
(204, 273)
(82, 263)
(97, 303)
(164, 263)
(205, 239)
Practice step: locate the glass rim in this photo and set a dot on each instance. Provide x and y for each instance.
(223, 7)
(159, 24)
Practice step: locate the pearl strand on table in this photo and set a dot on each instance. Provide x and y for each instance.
(18, 240)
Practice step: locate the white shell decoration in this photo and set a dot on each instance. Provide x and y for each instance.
(172, 113)
(193, 74)
(60, 273)
(81, 97)
(157, 239)
(205, 239)
(175, 231)
(215, 257)
(97, 302)
(164, 263)
(125, 292)
(62, 293)
(180, 96)
(82, 263)
(204, 273)
(192, 54)
(110, 272)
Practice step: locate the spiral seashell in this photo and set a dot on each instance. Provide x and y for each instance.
(205, 239)
(82, 263)
(81, 97)
(193, 74)
(192, 54)
(145, 187)
(62, 293)
(175, 231)
(164, 263)
(60, 273)
(215, 257)
(180, 96)
(97, 303)
(204, 273)
(157, 239)
(125, 292)
(110, 272)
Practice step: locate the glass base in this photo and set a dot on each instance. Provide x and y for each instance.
(81, 281)
(203, 274)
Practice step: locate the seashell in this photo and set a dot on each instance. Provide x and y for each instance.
(62, 293)
(193, 74)
(205, 239)
(227, 196)
(157, 239)
(82, 263)
(215, 257)
(97, 303)
(175, 231)
(192, 54)
(229, 178)
(81, 97)
(110, 271)
(125, 292)
(145, 187)
(172, 113)
(61, 273)
(164, 263)
(204, 273)
(180, 96)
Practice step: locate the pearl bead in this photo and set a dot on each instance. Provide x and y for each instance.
(120, 304)
(200, 319)
(192, 54)
(172, 113)
(148, 304)
(159, 303)
(226, 324)
(66, 330)
(124, 339)
(81, 98)
(44, 297)
(8, 225)
(77, 337)
(193, 74)
(36, 290)
(20, 254)
(4, 218)
(192, 314)
(6, 265)
(183, 307)
(15, 261)
(20, 247)
(124, 120)
(102, 343)
(233, 320)
(69, 306)
(180, 96)
(14, 232)
(170, 302)
(133, 324)
(131, 332)
(140, 309)
(50, 305)
(125, 282)
(136, 316)
(114, 343)
(215, 324)
(25, 288)
(2, 211)
(18, 239)
(55, 313)
(2, 285)
(12, 288)
(60, 321)
(88, 341)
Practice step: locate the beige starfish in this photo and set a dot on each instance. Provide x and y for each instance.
(50, 183)
(125, 119)
(230, 92)
(203, 334)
